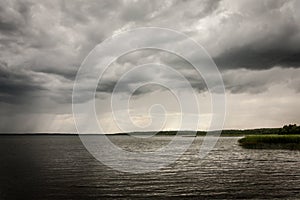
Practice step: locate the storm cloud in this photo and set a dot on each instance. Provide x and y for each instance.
(254, 43)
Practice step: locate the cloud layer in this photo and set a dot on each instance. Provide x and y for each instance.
(255, 44)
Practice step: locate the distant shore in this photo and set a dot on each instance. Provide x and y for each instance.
(291, 129)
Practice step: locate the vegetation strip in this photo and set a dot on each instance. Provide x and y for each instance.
(291, 142)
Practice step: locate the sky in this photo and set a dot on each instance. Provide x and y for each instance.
(255, 45)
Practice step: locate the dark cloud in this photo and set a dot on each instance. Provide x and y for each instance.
(107, 86)
(7, 26)
(259, 36)
(251, 59)
(21, 86)
(13, 16)
(16, 84)
(122, 67)
(254, 82)
(255, 44)
(264, 53)
(149, 88)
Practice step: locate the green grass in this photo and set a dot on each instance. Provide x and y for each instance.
(291, 142)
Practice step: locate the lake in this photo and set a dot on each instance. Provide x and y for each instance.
(59, 167)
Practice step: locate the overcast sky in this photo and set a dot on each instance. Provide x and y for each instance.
(255, 44)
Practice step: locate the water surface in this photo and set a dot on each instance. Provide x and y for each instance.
(59, 167)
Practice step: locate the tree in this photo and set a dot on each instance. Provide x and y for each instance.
(290, 129)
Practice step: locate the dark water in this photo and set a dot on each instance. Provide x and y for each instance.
(59, 167)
